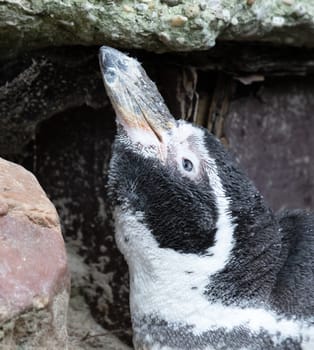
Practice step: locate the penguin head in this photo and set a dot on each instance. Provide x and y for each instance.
(174, 186)
(167, 180)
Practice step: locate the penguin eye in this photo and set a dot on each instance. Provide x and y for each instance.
(187, 164)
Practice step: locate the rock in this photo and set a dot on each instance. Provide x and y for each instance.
(137, 25)
(34, 88)
(34, 279)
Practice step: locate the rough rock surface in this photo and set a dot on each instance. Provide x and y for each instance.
(34, 88)
(156, 25)
(84, 332)
(34, 279)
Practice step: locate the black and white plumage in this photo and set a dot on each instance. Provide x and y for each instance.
(211, 266)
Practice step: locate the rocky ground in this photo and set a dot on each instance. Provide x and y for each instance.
(85, 333)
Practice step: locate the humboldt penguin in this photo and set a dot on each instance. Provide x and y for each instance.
(211, 265)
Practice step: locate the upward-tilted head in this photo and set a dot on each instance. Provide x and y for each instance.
(202, 248)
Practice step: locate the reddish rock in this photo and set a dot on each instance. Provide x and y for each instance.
(34, 279)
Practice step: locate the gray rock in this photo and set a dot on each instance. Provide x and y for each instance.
(153, 25)
(34, 88)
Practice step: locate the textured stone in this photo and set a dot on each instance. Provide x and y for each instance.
(34, 88)
(138, 24)
(34, 278)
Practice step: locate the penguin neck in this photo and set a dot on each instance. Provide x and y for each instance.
(249, 276)
(170, 279)
(172, 286)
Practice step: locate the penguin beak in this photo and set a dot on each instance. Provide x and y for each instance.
(139, 107)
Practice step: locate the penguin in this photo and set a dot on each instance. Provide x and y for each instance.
(211, 265)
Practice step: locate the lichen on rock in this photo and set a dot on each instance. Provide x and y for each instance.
(187, 25)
